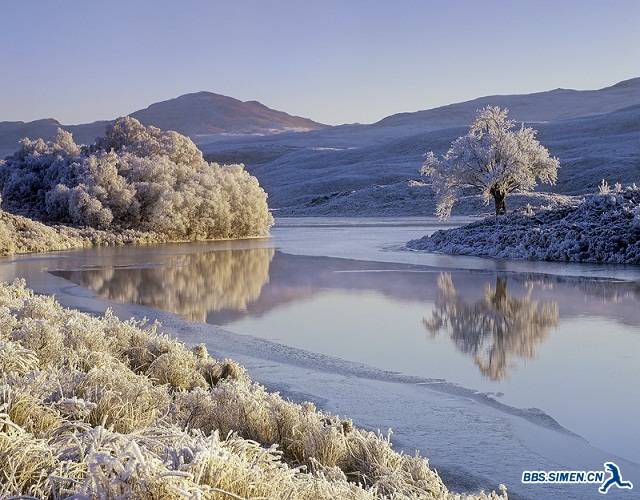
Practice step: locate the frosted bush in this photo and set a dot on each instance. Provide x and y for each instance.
(636, 216)
(135, 177)
(604, 188)
(114, 409)
(528, 210)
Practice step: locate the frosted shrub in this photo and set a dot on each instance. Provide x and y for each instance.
(604, 188)
(636, 217)
(135, 177)
(113, 409)
(16, 359)
(7, 243)
(528, 210)
(178, 369)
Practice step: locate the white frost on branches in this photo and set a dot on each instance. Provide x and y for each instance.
(494, 159)
(135, 177)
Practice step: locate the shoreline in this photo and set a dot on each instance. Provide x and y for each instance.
(287, 370)
(124, 384)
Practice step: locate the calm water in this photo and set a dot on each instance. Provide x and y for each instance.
(565, 344)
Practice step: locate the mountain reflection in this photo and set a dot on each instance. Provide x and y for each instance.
(191, 285)
(494, 329)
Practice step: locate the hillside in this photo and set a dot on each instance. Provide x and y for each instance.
(604, 228)
(204, 113)
(12, 132)
(371, 169)
(379, 178)
(199, 115)
(558, 104)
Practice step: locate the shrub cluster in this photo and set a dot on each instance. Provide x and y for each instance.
(96, 407)
(20, 234)
(134, 178)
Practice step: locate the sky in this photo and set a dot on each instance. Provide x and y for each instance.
(332, 61)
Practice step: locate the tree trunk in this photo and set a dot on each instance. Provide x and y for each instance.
(499, 200)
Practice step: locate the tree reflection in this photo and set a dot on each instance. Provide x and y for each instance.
(494, 329)
(190, 285)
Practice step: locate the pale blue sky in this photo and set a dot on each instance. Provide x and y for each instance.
(333, 61)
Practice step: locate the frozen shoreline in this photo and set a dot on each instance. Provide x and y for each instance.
(423, 413)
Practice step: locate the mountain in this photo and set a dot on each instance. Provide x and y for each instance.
(373, 169)
(558, 104)
(206, 113)
(201, 115)
(537, 108)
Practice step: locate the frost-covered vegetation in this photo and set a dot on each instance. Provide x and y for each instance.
(20, 234)
(93, 407)
(409, 198)
(135, 178)
(494, 158)
(604, 228)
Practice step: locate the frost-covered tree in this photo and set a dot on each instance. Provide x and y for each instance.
(494, 158)
(135, 177)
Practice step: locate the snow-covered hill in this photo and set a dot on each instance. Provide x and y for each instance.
(558, 104)
(373, 169)
(318, 174)
(205, 113)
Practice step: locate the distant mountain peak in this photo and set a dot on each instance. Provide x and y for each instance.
(205, 113)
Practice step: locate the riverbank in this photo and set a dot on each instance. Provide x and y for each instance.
(604, 228)
(86, 397)
(472, 444)
(19, 234)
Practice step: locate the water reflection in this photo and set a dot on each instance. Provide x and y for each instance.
(494, 319)
(494, 329)
(192, 285)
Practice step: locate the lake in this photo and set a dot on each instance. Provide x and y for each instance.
(539, 345)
